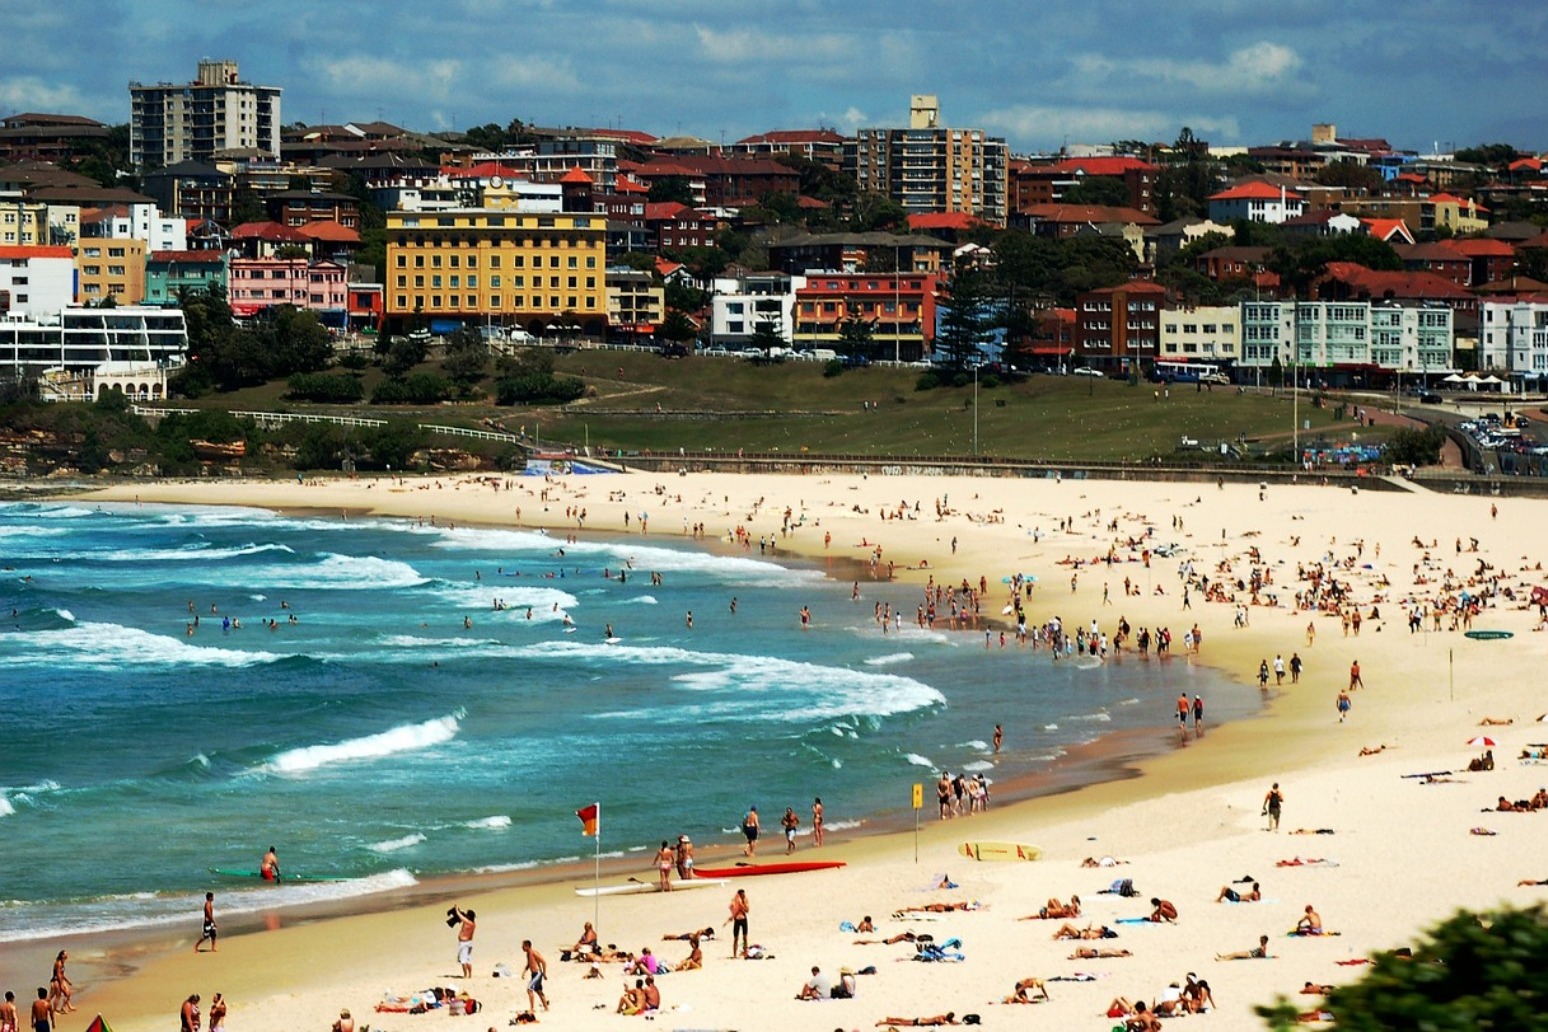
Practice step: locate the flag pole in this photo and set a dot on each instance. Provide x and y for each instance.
(596, 877)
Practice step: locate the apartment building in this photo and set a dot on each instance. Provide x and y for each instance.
(23, 223)
(1208, 333)
(80, 340)
(140, 221)
(1047, 182)
(899, 306)
(636, 303)
(317, 286)
(823, 146)
(1119, 327)
(741, 304)
(170, 274)
(196, 191)
(928, 167)
(514, 268)
(174, 122)
(1256, 202)
(1513, 336)
(1347, 342)
(111, 268)
(35, 281)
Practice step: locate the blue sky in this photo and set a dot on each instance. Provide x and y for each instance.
(1039, 72)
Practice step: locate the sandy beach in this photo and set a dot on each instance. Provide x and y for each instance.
(1400, 853)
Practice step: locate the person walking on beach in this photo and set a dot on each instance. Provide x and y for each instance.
(537, 968)
(1279, 670)
(42, 1013)
(1295, 668)
(1272, 804)
(465, 929)
(1343, 706)
(1354, 676)
(943, 794)
(1182, 710)
(790, 822)
(684, 858)
(738, 921)
(60, 987)
(750, 830)
(1198, 712)
(817, 821)
(666, 859)
(209, 924)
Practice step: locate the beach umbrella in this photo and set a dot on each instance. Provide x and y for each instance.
(1482, 742)
(1453, 378)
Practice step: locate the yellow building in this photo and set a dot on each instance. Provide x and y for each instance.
(498, 267)
(110, 268)
(23, 223)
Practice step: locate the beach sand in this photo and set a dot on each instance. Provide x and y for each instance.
(1189, 824)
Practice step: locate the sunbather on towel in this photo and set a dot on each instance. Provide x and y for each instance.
(1097, 953)
(1259, 953)
(1028, 990)
(949, 1018)
(1228, 893)
(1055, 910)
(939, 908)
(1069, 931)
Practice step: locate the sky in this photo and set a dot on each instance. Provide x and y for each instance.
(1041, 73)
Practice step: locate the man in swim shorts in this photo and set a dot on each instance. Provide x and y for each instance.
(209, 924)
(269, 870)
(537, 967)
(750, 830)
(465, 930)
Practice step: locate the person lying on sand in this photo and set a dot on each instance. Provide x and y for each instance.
(1105, 861)
(1228, 893)
(1506, 806)
(1260, 953)
(949, 1018)
(939, 908)
(1368, 751)
(1164, 911)
(1312, 831)
(1313, 989)
(702, 933)
(1308, 862)
(1496, 722)
(1313, 1017)
(1028, 990)
(1310, 922)
(1529, 881)
(1069, 931)
(1097, 953)
(890, 940)
(1055, 910)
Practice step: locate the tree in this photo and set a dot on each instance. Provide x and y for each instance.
(676, 327)
(1414, 447)
(670, 188)
(965, 319)
(1102, 190)
(467, 358)
(877, 211)
(857, 337)
(1494, 155)
(528, 379)
(1093, 262)
(404, 354)
(767, 336)
(1471, 972)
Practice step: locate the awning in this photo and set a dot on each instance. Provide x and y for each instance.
(1051, 349)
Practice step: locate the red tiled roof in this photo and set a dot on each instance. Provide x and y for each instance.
(1133, 287)
(577, 175)
(1482, 247)
(482, 170)
(625, 185)
(659, 168)
(635, 136)
(666, 268)
(1534, 164)
(266, 231)
(1434, 251)
(811, 203)
(202, 257)
(1386, 229)
(1410, 177)
(1463, 202)
(1087, 213)
(329, 232)
(1258, 191)
(1541, 240)
(794, 136)
(1402, 285)
(1100, 166)
(15, 251)
(943, 220)
(662, 210)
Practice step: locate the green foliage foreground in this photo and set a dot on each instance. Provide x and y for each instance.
(1473, 972)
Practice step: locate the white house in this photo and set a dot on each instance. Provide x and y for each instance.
(140, 221)
(1256, 202)
(1203, 334)
(739, 305)
(1513, 336)
(36, 281)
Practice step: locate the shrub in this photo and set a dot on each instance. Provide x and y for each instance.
(833, 367)
(327, 388)
(927, 382)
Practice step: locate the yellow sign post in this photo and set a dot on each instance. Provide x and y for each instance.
(918, 805)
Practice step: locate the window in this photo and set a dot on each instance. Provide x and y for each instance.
(115, 252)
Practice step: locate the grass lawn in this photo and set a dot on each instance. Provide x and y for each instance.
(725, 404)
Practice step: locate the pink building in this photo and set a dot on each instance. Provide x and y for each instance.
(259, 283)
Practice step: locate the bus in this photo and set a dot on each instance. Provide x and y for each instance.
(1187, 372)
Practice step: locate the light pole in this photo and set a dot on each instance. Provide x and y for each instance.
(975, 407)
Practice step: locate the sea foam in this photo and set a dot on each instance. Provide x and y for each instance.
(404, 738)
(107, 646)
(393, 845)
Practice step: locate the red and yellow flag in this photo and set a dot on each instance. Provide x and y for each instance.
(590, 816)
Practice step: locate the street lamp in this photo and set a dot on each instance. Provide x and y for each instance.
(975, 407)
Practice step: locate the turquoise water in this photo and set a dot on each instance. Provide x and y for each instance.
(379, 740)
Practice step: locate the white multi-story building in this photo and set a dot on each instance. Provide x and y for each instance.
(1513, 337)
(1204, 334)
(141, 221)
(173, 122)
(1347, 337)
(740, 305)
(35, 282)
(1256, 201)
(80, 340)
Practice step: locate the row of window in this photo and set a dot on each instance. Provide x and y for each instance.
(470, 302)
(518, 261)
(487, 222)
(496, 282)
(1208, 327)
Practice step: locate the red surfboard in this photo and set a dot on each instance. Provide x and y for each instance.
(747, 870)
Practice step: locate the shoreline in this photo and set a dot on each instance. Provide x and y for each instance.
(1293, 741)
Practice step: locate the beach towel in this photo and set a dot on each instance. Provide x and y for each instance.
(846, 926)
(1079, 976)
(1135, 920)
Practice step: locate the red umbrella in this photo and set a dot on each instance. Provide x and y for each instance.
(1482, 742)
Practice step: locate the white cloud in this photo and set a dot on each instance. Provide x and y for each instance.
(359, 75)
(29, 93)
(743, 45)
(1053, 125)
(1259, 68)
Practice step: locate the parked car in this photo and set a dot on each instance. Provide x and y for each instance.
(1086, 371)
(1429, 398)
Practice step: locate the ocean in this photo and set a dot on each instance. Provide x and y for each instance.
(379, 741)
